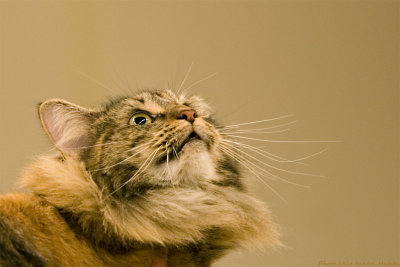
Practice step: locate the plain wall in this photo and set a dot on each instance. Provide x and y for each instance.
(334, 64)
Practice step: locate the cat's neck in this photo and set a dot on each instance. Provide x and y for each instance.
(166, 216)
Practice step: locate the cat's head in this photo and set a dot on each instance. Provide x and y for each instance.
(142, 142)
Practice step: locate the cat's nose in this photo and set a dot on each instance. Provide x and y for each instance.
(187, 114)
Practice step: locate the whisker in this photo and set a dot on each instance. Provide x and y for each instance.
(137, 152)
(261, 129)
(52, 148)
(123, 78)
(139, 171)
(146, 131)
(167, 85)
(283, 170)
(259, 121)
(281, 141)
(139, 146)
(271, 155)
(95, 81)
(265, 153)
(168, 169)
(265, 183)
(199, 81)
(186, 76)
(176, 153)
(255, 132)
(241, 159)
(265, 128)
(281, 159)
(272, 175)
(105, 144)
(310, 156)
(116, 79)
(96, 145)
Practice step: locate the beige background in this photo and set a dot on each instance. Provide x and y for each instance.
(335, 64)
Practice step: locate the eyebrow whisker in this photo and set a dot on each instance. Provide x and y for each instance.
(186, 76)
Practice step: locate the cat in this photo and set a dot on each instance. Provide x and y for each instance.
(143, 180)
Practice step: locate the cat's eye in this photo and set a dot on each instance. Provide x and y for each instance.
(140, 119)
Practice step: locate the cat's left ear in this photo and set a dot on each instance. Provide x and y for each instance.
(67, 125)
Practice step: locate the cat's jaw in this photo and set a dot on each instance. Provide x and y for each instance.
(194, 162)
(192, 167)
(193, 146)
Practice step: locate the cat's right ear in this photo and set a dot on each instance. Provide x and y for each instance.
(67, 125)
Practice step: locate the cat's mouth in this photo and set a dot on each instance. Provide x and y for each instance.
(191, 137)
(174, 153)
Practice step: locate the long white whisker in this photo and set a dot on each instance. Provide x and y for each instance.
(256, 148)
(97, 145)
(239, 158)
(129, 178)
(265, 153)
(281, 141)
(310, 156)
(140, 146)
(252, 122)
(139, 171)
(283, 170)
(261, 129)
(168, 169)
(254, 132)
(105, 144)
(265, 183)
(283, 160)
(199, 81)
(176, 153)
(186, 76)
(95, 81)
(134, 154)
(270, 174)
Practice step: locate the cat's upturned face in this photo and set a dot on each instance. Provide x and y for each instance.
(156, 139)
(153, 168)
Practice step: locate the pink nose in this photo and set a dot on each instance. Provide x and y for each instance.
(187, 114)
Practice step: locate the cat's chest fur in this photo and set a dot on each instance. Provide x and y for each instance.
(146, 180)
(38, 235)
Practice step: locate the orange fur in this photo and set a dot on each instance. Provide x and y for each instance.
(39, 223)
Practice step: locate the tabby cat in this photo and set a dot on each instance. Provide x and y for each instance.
(141, 181)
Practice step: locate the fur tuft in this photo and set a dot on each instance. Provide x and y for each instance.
(170, 216)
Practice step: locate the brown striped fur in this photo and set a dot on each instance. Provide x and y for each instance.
(78, 216)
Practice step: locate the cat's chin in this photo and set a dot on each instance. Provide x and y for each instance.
(192, 162)
(193, 146)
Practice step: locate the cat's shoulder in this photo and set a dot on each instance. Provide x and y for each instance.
(24, 206)
(20, 216)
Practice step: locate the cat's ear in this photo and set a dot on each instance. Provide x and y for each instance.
(67, 125)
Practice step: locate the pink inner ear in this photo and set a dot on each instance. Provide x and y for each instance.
(49, 120)
(67, 126)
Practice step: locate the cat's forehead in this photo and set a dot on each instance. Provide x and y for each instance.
(158, 101)
(161, 101)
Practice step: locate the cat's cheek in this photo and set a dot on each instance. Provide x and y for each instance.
(206, 132)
